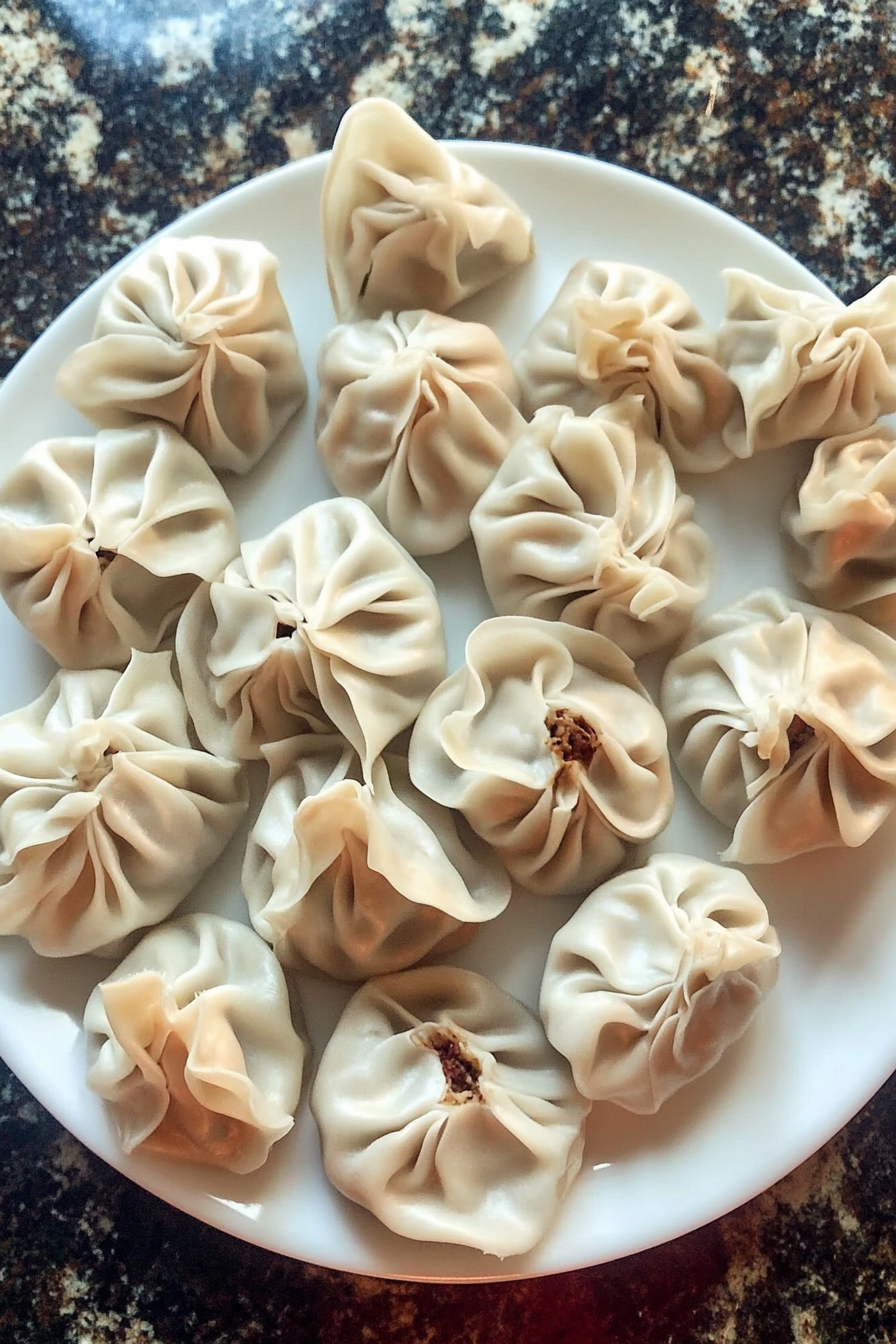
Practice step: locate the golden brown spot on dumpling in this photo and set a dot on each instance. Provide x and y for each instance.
(460, 1067)
(571, 737)
(799, 733)
(188, 1131)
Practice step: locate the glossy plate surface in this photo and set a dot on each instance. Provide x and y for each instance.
(825, 1040)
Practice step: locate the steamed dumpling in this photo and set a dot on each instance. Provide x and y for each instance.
(806, 367)
(782, 719)
(416, 413)
(108, 813)
(405, 223)
(195, 332)
(839, 525)
(359, 878)
(443, 1109)
(191, 1042)
(585, 523)
(324, 620)
(615, 329)
(103, 540)
(551, 748)
(656, 974)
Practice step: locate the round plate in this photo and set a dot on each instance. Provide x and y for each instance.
(826, 1038)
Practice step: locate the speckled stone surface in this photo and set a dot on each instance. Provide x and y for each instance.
(118, 115)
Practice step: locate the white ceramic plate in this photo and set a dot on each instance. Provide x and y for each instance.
(825, 1040)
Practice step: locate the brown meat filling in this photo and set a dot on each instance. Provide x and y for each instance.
(105, 556)
(799, 733)
(571, 737)
(284, 631)
(461, 1070)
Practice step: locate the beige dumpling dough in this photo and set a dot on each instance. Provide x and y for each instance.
(192, 1044)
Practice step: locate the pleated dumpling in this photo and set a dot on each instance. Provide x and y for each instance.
(782, 719)
(103, 540)
(194, 332)
(191, 1042)
(839, 525)
(325, 619)
(615, 329)
(584, 522)
(806, 367)
(443, 1110)
(416, 413)
(108, 813)
(361, 878)
(405, 223)
(551, 748)
(656, 974)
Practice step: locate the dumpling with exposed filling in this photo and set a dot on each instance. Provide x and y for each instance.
(443, 1109)
(549, 745)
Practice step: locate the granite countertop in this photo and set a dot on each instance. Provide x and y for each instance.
(116, 116)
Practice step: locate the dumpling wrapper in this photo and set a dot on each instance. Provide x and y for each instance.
(194, 332)
(782, 720)
(839, 525)
(103, 540)
(549, 745)
(362, 879)
(405, 224)
(584, 523)
(108, 813)
(416, 412)
(192, 1044)
(443, 1110)
(325, 619)
(656, 974)
(616, 330)
(806, 367)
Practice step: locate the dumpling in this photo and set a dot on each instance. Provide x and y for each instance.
(108, 813)
(358, 878)
(615, 329)
(103, 540)
(407, 225)
(782, 719)
(191, 1042)
(654, 976)
(416, 412)
(444, 1111)
(805, 367)
(195, 332)
(325, 619)
(839, 525)
(551, 748)
(585, 523)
